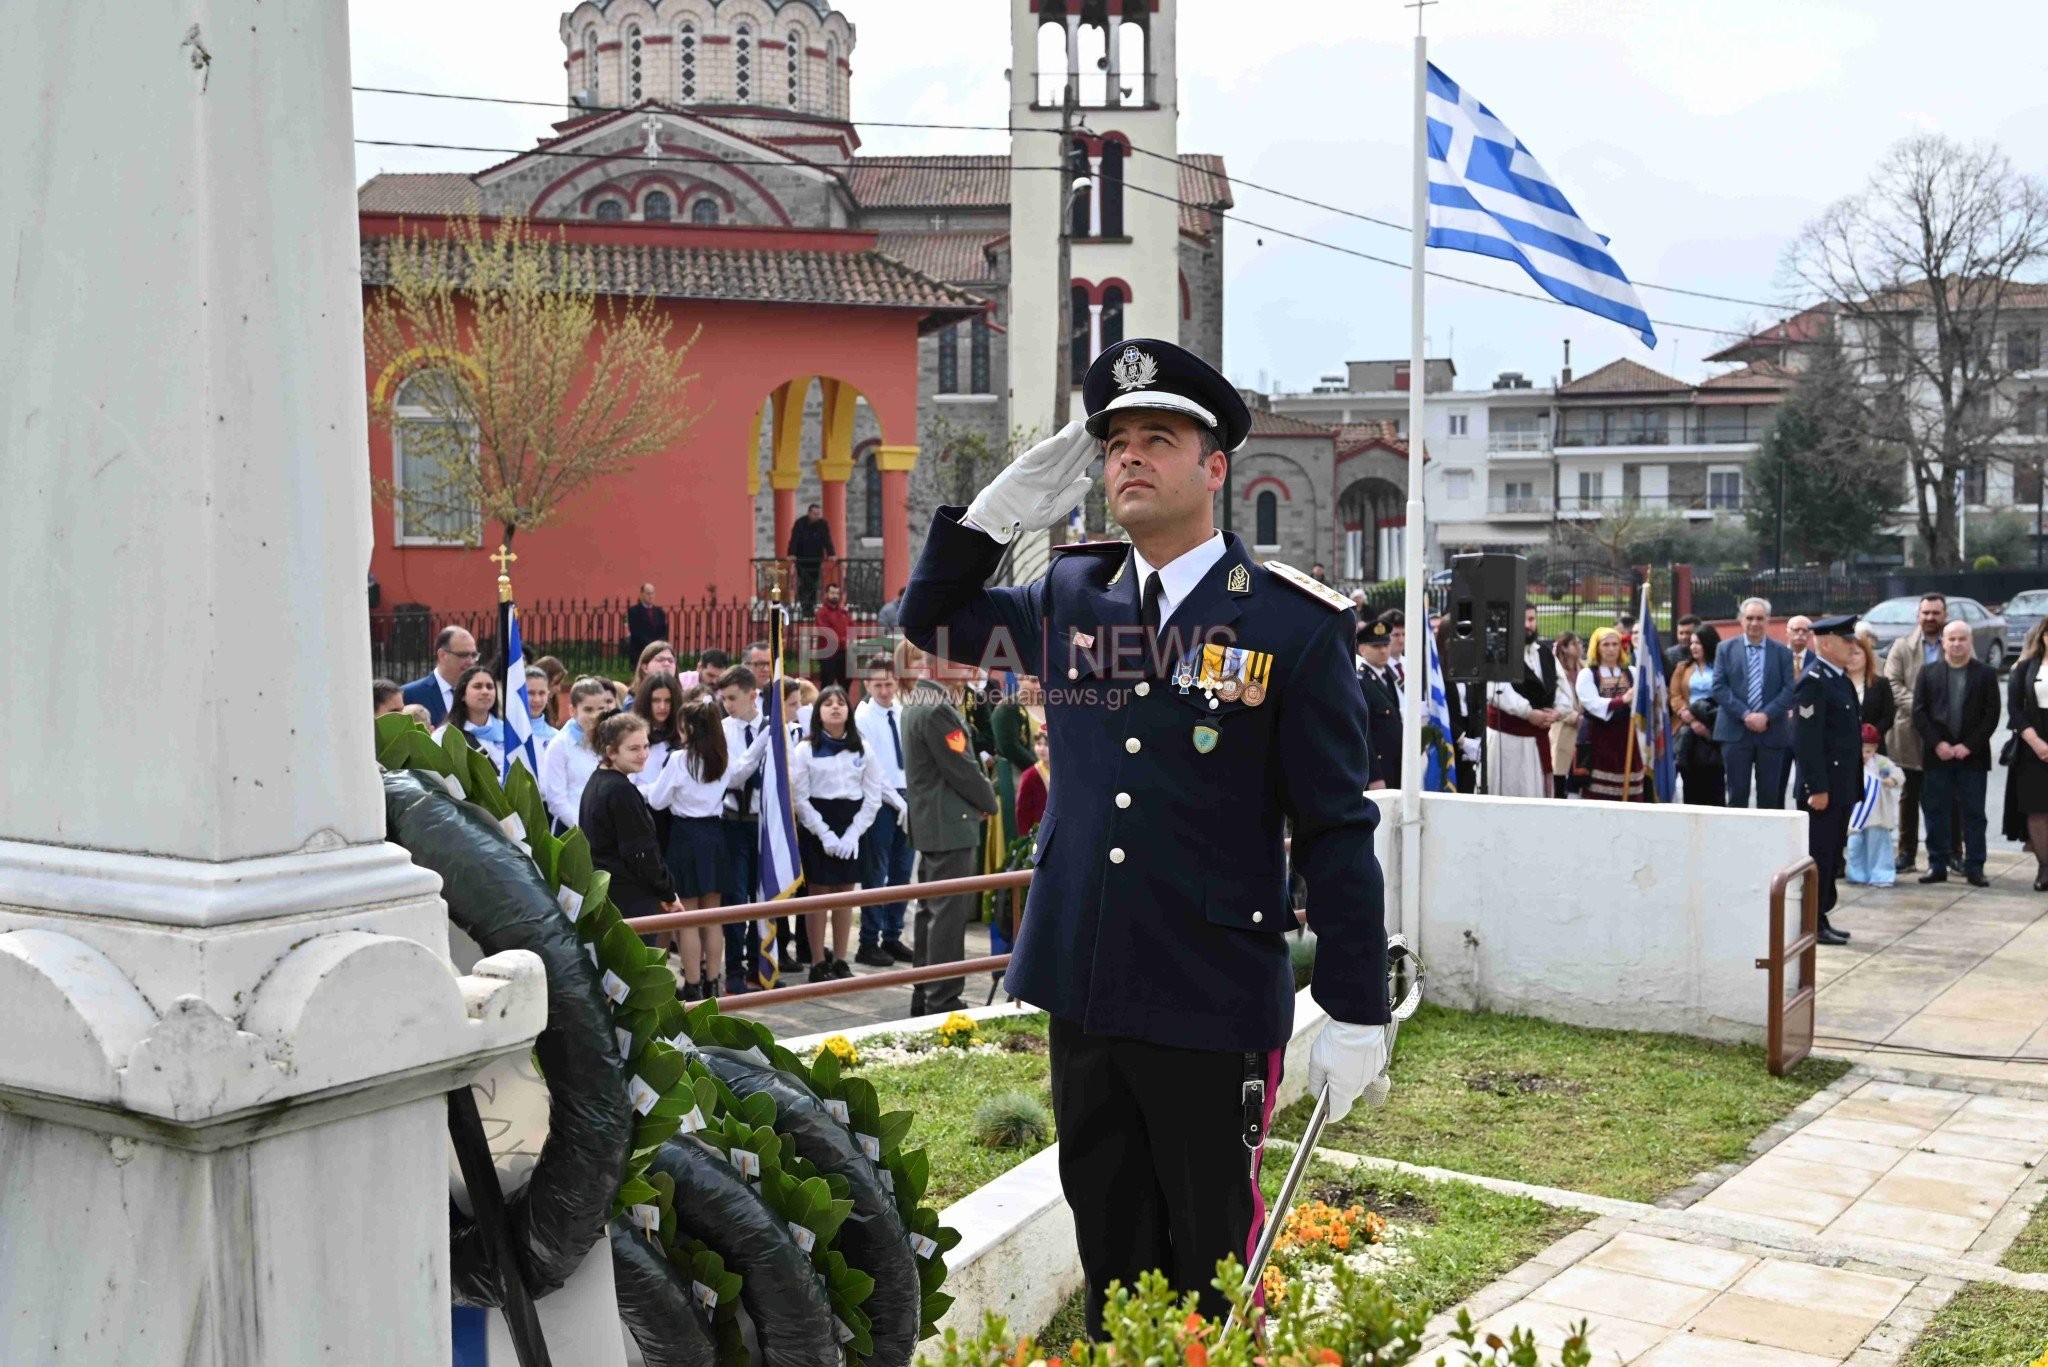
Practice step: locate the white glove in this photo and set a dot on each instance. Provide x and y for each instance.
(1039, 488)
(1469, 748)
(843, 847)
(1351, 1060)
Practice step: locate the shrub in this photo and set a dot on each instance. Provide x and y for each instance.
(1012, 1120)
(1357, 1325)
(1984, 562)
(1301, 949)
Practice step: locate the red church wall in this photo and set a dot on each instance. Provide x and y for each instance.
(682, 518)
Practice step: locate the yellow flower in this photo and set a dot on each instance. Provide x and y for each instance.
(841, 1048)
(1274, 1285)
(958, 1029)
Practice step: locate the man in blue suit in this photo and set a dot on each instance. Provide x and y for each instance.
(1201, 708)
(454, 651)
(1753, 686)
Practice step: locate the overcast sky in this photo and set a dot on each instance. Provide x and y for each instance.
(1697, 137)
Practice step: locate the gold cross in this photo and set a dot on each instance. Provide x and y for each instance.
(504, 558)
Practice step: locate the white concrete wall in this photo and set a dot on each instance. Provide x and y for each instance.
(1631, 917)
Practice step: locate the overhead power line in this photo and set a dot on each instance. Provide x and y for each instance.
(1128, 186)
(1235, 180)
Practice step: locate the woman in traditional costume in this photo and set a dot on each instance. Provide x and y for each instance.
(1607, 696)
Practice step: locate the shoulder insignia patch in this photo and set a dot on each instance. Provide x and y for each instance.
(1238, 581)
(1314, 588)
(956, 741)
(1806, 711)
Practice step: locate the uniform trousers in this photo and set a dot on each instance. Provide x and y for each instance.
(1827, 838)
(941, 927)
(886, 857)
(742, 885)
(1153, 1160)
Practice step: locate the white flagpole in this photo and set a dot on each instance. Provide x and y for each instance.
(1414, 532)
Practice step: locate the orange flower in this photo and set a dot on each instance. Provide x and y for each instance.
(1330, 1357)
(1193, 1324)
(1198, 1354)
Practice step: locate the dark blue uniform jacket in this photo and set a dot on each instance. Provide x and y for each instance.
(1827, 735)
(1160, 905)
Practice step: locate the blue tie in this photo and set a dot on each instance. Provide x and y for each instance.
(753, 789)
(1756, 678)
(896, 739)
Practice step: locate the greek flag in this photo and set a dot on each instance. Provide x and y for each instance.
(781, 871)
(1439, 759)
(1653, 711)
(1488, 195)
(519, 743)
(1873, 793)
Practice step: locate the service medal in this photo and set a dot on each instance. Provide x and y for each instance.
(1205, 739)
(1254, 693)
(1228, 690)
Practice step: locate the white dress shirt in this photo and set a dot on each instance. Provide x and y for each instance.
(564, 772)
(848, 774)
(886, 746)
(1178, 577)
(743, 760)
(679, 788)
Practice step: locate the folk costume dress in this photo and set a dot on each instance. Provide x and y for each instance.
(1519, 765)
(1617, 765)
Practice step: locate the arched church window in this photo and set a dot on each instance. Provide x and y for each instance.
(610, 211)
(433, 455)
(705, 210)
(1080, 212)
(634, 83)
(657, 207)
(1266, 519)
(795, 53)
(1052, 63)
(1109, 188)
(948, 340)
(1078, 341)
(686, 61)
(590, 63)
(743, 62)
(977, 354)
(1092, 47)
(1112, 316)
(832, 76)
(1135, 81)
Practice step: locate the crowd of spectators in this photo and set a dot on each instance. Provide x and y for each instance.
(915, 771)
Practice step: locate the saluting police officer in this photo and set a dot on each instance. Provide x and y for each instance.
(1199, 705)
(1827, 736)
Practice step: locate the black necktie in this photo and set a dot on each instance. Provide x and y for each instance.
(753, 788)
(1148, 609)
(896, 738)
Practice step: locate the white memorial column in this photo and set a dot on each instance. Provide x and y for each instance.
(227, 1005)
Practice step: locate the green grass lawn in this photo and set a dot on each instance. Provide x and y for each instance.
(1613, 1112)
(2029, 1252)
(944, 1092)
(1986, 1326)
(1459, 1237)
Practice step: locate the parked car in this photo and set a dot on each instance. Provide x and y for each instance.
(2020, 614)
(1894, 618)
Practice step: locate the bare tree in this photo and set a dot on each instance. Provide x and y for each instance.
(1922, 271)
(524, 382)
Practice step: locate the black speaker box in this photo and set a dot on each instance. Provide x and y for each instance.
(1483, 636)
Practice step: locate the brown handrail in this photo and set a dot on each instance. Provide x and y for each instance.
(867, 982)
(1783, 1049)
(797, 906)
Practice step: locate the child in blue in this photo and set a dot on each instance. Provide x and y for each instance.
(1875, 821)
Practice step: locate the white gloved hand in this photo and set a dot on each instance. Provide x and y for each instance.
(1468, 746)
(843, 847)
(1351, 1060)
(1039, 488)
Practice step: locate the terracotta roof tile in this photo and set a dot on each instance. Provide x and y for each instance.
(1759, 375)
(961, 182)
(849, 279)
(1356, 436)
(1624, 377)
(1269, 424)
(430, 192)
(1204, 190)
(941, 255)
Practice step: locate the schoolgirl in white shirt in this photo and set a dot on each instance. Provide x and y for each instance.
(691, 788)
(837, 788)
(566, 767)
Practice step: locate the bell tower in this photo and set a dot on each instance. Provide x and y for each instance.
(1092, 81)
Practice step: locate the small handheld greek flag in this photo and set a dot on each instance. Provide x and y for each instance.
(1439, 756)
(1488, 195)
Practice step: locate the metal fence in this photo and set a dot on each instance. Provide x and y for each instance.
(590, 637)
(1814, 592)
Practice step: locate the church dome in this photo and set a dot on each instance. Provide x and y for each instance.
(792, 56)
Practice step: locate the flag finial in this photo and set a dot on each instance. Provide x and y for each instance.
(504, 558)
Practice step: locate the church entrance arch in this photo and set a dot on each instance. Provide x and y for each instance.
(1371, 522)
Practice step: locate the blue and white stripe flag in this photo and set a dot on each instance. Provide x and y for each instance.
(781, 870)
(1488, 195)
(1439, 754)
(519, 742)
(1653, 711)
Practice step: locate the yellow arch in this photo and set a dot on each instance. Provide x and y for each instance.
(413, 359)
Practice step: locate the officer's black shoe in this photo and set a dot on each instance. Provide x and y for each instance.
(1977, 880)
(2041, 882)
(1905, 866)
(874, 956)
(898, 951)
(1934, 876)
(1829, 935)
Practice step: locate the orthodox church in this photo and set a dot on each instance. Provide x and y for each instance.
(880, 328)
